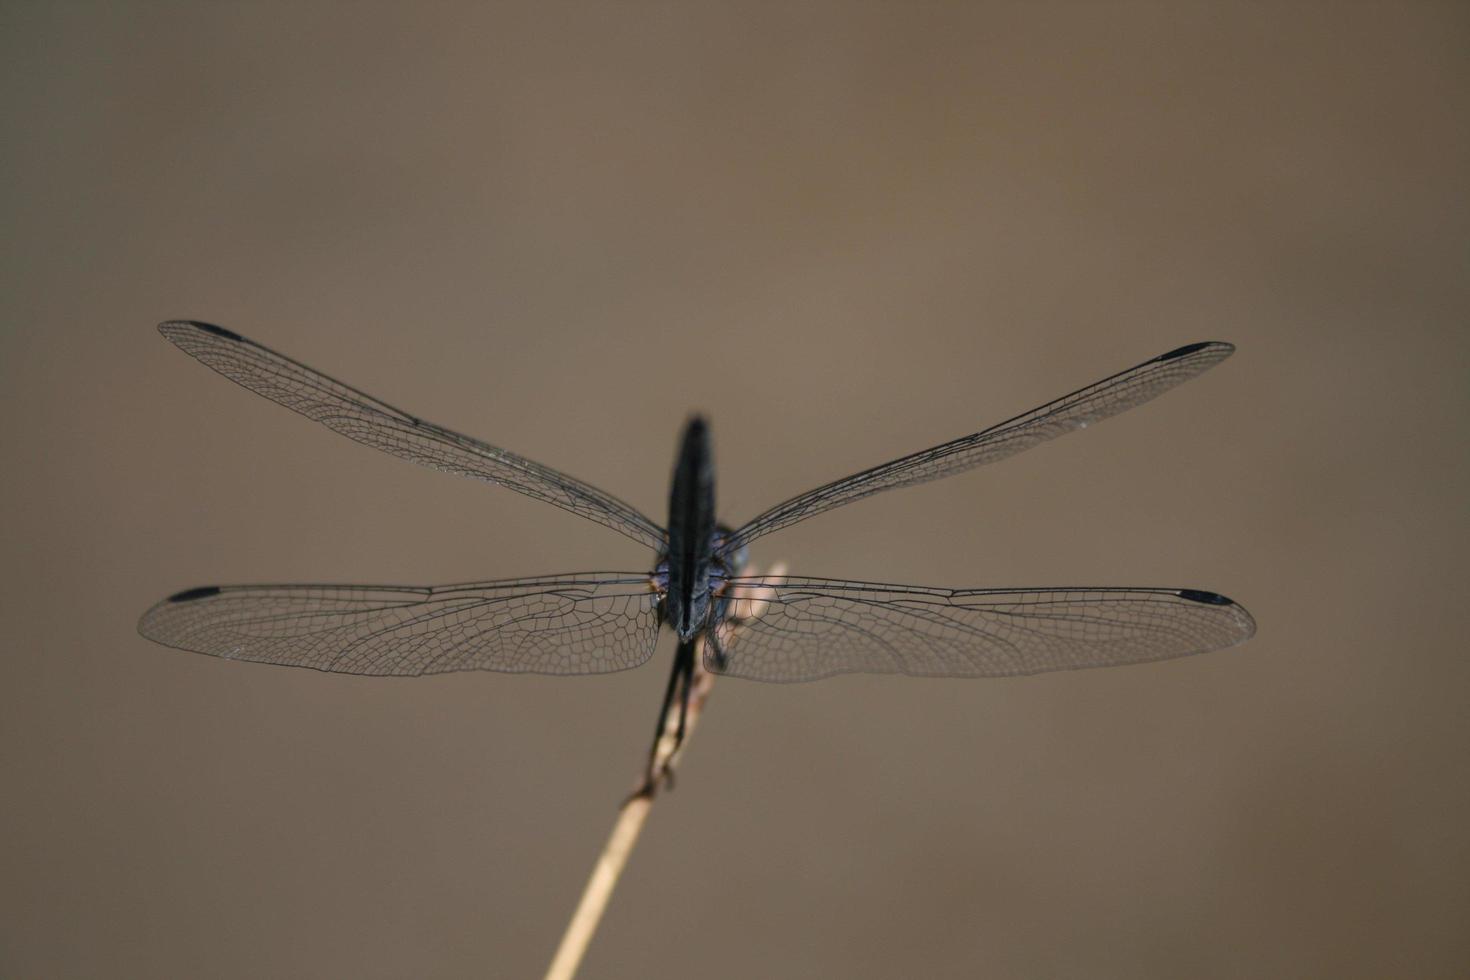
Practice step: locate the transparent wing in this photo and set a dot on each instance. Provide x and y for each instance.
(800, 629)
(1075, 411)
(587, 624)
(374, 423)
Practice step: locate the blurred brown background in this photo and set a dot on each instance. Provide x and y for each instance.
(846, 232)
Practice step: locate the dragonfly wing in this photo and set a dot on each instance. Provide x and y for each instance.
(1098, 401)
(799, 629)
(586, 624)
(374, 423)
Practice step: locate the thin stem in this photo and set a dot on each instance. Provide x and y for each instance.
(631, 817)
(599, 888)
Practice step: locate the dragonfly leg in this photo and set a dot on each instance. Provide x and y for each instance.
(686, 689)
(679, 687)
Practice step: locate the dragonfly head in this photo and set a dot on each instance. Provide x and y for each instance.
(696, 614)
(704, 604)
(686, 618)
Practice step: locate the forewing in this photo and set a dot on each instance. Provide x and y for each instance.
(586, 624)
(374, 423)
(1098, 401)
(799, 629)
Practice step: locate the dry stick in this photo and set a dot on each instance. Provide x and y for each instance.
(624, 835)
(614, 856)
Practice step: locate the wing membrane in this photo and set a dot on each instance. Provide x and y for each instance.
(374, 423)
(587, 624)
(799, 629)
(1098, 401)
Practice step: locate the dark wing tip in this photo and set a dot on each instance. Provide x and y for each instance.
(1195, 595)
(168, 326)
(199, 592)
(1188, 349)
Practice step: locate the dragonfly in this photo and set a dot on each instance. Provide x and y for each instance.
(776, 628)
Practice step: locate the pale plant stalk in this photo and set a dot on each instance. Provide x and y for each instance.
(634, 813)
